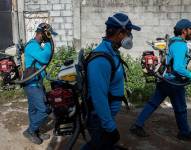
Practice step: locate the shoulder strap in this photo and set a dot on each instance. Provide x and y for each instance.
(124, 65)
(170, 43)
(170, 65)
(94, 55)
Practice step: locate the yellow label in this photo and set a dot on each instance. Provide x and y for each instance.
(160, 45)
(69, 77)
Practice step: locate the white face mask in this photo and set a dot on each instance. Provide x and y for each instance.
(127, 42)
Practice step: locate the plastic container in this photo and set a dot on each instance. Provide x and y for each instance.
(67, 73)
(160, 45)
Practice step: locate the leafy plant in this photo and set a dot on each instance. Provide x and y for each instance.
(141, 90)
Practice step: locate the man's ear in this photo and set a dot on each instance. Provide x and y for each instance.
(184, 31)
(120, 35)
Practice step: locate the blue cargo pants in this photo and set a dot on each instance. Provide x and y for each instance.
(177, 98)
(37, 110)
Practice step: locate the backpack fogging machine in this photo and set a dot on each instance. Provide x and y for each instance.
(12, 67)
(67, 100)
(155, 65)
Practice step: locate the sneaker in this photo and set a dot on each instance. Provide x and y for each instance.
(138, 131)
(184, 137)
(33, 137)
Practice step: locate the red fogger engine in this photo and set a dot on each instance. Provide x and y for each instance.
(149, 62)
(8, 70)
(61, 99)
(6, 65)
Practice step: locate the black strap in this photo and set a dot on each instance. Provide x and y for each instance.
(33, 65)
(94, 55)
(125, 65)
(170, 65)
(111, 97)
(116, 98)
(170, 43)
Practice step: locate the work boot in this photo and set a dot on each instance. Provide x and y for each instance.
(43, 136)
(120, 147)
(138, 131)
(33, 137)
(184, 137)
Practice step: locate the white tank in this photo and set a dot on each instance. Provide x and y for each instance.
(67, 73)
(12, 50)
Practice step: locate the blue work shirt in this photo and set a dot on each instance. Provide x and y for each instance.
(34, 51)
(99, 85)
(178, 51)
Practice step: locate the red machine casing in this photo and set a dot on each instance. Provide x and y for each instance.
(6, 65)
(149, 61)
(60, 97)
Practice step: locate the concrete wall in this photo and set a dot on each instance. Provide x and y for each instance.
(83, 21)
(60, 16)
(156, 17)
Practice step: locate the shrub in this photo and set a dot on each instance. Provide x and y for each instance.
(141, 90)
(136, 80)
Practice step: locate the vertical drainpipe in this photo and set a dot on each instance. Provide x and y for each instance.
(77, 24)
(181, 4)
(21, 26)
(81, 23)
(18, 28)
(15, 23)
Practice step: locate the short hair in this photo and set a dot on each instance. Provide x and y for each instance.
(112, 31)
(177, 32)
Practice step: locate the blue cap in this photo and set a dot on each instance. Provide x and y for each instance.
(183, 24)
(120, 20)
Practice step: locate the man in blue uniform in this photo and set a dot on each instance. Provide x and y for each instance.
(101, 121)
(36, 56)
(177, 59)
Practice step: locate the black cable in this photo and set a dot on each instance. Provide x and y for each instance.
(171, 82)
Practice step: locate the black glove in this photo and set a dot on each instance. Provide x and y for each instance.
(109, 139)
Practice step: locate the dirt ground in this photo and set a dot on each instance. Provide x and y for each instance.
(161, 127)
